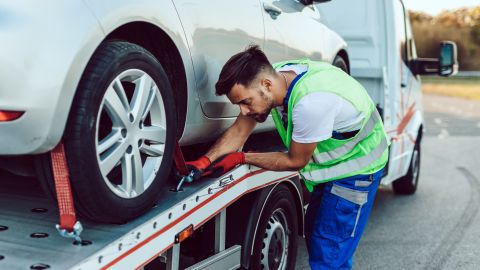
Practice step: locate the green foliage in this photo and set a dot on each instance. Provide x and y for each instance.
(461, 26)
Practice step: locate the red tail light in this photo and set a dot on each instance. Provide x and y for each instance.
(6, 116)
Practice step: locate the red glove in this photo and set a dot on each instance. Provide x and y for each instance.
(198, 166)
(225, 163)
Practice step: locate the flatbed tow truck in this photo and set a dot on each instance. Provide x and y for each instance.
(247, 218)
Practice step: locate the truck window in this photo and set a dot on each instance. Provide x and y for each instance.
(412, 51)
(400, 29)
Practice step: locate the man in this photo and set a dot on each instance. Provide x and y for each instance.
(334, 136)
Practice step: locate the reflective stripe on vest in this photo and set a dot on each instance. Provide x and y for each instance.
(347, 147)
(349, 165)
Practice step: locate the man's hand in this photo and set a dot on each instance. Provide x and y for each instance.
(198, 166)
(225, 164)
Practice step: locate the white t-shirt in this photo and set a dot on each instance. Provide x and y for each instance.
(318, 114)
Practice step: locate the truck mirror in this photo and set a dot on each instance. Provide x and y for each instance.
(447, 60)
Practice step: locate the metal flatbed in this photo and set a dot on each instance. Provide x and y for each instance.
(29, 239)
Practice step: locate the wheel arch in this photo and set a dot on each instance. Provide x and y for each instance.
(255, 203)
(157, 41)
(420, 133)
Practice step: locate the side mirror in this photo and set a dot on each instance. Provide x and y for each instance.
(447, 60)
(309, 2)
(445, 65)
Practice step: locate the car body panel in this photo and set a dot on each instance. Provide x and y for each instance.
(237, 24)
(39, 74)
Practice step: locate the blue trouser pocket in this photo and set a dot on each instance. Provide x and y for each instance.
(339, 217)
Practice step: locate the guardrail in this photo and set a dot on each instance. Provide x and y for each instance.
(468, 74)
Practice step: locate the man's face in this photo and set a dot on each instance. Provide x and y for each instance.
(255, 101)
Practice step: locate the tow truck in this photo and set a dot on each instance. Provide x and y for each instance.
(248, 218)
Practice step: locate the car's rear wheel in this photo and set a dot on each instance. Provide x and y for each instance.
(341, 63)
(120, 133)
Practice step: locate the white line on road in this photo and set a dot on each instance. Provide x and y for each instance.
(443, 134)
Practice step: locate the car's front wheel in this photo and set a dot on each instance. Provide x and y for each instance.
(120, 133)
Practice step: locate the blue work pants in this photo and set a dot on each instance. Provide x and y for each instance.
(335, 220)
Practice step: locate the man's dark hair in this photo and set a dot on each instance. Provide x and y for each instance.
(242, 68)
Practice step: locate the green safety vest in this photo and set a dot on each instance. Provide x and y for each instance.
(365, 153)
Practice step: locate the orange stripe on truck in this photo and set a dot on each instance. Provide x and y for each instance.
(406, 118)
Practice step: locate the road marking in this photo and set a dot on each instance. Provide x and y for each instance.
(443, 134)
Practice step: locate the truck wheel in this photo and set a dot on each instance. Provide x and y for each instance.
(339, 62)
(120, 133)
(408, 183)
(276, 242)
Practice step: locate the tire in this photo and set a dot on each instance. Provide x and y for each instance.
(341, 63)
(407, 184)
(120, 134)
(277, 229)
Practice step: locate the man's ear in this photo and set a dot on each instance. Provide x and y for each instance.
(267, 83)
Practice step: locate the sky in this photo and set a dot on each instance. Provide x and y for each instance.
(434, 7)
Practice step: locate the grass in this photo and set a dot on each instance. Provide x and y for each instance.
(468, 88)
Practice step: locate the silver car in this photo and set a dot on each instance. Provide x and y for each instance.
(118, 81)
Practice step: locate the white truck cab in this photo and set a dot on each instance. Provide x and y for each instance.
(383, 59)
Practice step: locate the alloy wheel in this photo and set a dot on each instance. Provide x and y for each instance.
(130, 133)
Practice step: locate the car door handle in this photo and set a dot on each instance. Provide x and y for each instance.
(271, 9)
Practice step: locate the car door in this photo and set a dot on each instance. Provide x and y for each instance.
(216, 30)
(293, 30)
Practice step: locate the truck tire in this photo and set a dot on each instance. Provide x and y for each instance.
(407, 184)
(276, 243)
(120, 134)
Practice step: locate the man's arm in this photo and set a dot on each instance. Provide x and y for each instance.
(233, 138)
(297, 157)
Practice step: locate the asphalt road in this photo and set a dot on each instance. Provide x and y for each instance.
(439, 226)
